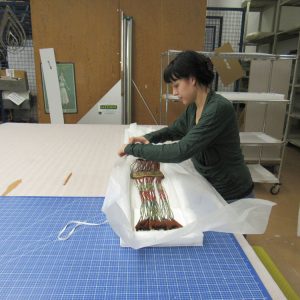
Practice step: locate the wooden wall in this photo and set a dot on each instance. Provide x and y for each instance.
(87, 33)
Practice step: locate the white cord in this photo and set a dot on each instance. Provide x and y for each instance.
(77, 224)
(143, 99)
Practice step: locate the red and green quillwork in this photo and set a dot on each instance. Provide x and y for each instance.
(154, 215)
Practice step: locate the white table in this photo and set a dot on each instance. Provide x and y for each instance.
(43, 155)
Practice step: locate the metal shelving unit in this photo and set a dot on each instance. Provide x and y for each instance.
(253, 139)
(259, 5)
(275, 35)
(258, 138)
(272, 38)
(295, 140)
(237, 97)
(293, 123)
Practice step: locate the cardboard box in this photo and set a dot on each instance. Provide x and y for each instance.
(13, 73)
(229, 69)
(13, 80)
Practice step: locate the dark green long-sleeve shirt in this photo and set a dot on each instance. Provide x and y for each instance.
(213, 144)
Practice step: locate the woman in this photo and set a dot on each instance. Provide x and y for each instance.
(207, 132)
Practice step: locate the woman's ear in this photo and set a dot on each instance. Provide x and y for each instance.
(193, 81)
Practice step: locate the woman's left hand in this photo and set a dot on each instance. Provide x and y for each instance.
(121, 151)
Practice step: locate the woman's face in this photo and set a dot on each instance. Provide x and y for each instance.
(185, 89)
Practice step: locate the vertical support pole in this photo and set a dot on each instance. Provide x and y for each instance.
(276, 25)
(126, 67)
(161, 89)
(122, 67)
(129, 69)
(292, 93)
(259, 29)
(168, 92)
(246, 24)
(290, 109)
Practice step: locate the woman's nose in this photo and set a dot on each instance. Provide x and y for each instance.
(175, 92)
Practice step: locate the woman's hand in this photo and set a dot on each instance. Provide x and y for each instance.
(132, 140)
(121, 151)
(138, 139)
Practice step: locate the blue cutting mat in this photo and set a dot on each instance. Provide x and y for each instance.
(92, 265)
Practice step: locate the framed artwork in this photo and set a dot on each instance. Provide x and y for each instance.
(66, 79)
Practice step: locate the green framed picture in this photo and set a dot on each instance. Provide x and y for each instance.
(66, 78)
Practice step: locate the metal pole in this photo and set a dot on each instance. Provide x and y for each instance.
(292, 94)
(246, 24)
(128, 69)
(276, 25)
(167, 94)
(122, 66)
(161, 89)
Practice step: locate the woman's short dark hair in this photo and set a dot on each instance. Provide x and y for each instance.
(190, 64)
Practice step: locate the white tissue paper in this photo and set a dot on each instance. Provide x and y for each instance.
(196, 205)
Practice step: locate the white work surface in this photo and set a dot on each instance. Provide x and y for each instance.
(43, 155)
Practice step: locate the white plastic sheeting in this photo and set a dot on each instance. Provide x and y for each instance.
(195, 204)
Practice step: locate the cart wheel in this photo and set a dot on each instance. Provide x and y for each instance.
(275, 189)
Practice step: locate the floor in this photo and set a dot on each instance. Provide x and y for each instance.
(281, 240)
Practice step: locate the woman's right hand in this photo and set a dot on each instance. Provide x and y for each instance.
(138, 139)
